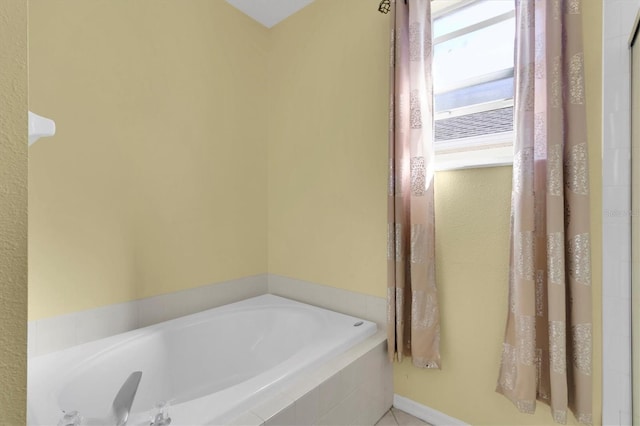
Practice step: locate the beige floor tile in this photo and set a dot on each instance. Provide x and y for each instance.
(387, 420)
(405, 419)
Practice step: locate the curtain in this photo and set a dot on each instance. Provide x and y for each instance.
(547, 350)
(413, 325)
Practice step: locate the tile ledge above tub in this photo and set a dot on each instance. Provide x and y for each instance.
(368, 307)
(63, 331)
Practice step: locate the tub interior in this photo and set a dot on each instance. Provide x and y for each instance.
(205, 365)
(190, 361)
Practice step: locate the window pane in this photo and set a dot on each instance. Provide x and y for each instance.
(472, 125)
(480, 93)
(474, 13)
(472, 55)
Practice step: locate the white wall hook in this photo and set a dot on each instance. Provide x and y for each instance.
(40, 127)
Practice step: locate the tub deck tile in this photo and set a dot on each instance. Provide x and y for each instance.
(351, 389)
(307, 408)
(286, 417)
(273, 407)
(300, 387)
(247, 419)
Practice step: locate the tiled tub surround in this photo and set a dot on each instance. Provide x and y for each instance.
(355, 388)
(57, 333)
(359, 305)
(349, 381)
(61, 332)
(343, 391)
(618, 19)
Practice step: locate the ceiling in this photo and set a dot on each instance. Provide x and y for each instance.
(269, 12)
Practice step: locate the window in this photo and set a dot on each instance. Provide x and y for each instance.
(473, 82)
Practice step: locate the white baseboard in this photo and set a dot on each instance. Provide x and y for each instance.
(429, 415)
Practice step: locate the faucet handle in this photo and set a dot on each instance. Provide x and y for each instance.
(72, 418)
(162, 416)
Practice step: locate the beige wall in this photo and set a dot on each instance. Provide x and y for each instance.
(327, 146)
(155, 180)
(327, 201)
(13, 211)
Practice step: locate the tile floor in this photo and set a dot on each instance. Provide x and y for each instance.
(395, 417)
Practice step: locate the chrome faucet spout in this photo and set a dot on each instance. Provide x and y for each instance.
(123, 401)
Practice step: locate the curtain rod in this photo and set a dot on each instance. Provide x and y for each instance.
(385, 6)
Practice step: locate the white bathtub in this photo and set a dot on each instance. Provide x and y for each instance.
(210, 366)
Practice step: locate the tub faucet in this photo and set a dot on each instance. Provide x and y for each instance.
(123, 401)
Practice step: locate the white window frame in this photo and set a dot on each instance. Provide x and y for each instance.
(491, 150)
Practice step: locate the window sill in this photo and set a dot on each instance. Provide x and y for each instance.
(486, 151)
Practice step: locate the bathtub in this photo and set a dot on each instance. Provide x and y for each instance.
(209, 367)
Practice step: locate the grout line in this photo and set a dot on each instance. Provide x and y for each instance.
(395, 419)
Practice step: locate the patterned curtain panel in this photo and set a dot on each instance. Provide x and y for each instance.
(412, 302)
(547, 349)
